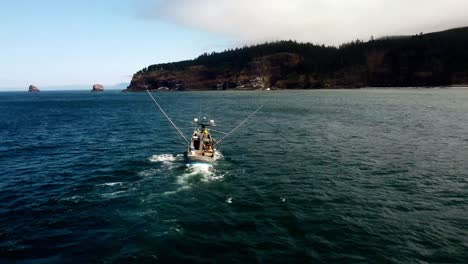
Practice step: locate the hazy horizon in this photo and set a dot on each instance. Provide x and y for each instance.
(66, 87)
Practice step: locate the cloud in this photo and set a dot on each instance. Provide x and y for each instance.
(318, 21)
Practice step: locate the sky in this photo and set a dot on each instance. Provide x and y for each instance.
(63, 43)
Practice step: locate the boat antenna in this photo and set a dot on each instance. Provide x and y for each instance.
(168, 118)
(240, 124)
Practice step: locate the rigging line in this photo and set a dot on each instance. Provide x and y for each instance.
(186, 127)
(241, 123)
(224, 133)
(168, 118)
(182, 121)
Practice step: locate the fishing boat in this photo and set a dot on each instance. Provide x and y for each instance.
(202, 147)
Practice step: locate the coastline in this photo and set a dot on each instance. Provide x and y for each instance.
(455, 87)
(445, 87)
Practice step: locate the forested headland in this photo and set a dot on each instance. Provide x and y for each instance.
(422, 60)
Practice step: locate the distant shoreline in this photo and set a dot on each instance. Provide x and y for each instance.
(454, 87)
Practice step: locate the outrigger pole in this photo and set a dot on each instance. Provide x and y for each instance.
(240, 124)
(168, 118)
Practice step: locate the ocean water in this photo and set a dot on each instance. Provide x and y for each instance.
(315, 177)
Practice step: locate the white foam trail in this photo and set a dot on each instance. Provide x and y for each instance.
(198, 172)
(178, 229)
(111, 184)
(194, 173)
(148, 173)
(73, 198)
(169, 192)
(113, 194)
(218, 155)
(164, 158)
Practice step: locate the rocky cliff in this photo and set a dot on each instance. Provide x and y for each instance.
(421, 60)
(260, 73)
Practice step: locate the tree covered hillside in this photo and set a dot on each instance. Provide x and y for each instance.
(421, 60)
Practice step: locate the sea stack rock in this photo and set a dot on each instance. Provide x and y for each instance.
(98, 88)
(33, 89)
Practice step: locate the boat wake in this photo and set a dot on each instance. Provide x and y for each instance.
(165, 158)
(195, 173)
(191, 175)
(167, 161)
(218, 155)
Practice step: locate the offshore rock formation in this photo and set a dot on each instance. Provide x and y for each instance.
(98, 88)
(435, 59)
(33, 89)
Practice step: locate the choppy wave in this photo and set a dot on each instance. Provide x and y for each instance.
(386, 182)
(112, 184)
(149, 172)
(113, 194)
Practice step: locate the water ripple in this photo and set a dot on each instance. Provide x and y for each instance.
(317, 176)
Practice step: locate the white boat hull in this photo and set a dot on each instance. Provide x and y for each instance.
(193, 156)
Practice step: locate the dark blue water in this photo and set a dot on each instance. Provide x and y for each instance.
(316, 176)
